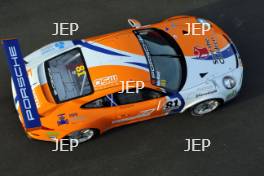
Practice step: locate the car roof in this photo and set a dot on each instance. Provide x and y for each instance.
(114, 58)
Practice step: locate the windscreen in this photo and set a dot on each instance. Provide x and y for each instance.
(67, 76)
(164, 57)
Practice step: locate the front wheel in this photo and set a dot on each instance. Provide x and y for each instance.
(205, 107)
(83, 135)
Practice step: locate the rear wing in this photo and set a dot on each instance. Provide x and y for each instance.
(21, 82)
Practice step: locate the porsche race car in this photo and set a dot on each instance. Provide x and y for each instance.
(82, 88)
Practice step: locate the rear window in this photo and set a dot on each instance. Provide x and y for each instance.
(67, 76)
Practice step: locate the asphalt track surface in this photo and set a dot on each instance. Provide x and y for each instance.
(153, 147)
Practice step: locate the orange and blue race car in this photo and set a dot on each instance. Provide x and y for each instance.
(80, 88)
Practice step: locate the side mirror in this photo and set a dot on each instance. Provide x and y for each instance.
(134, 23)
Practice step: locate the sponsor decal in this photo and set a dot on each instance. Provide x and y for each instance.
(142, 114)
(212, 52)
(218, 54)
(226, 53)
(205, 93)
(62, 120)
(148, 56)
(201, 52)
(52, 47)
(71, 118)
(74, 117)
(163, 83)
(206, 88)
(107, 80)
(215, 51)
(158, 81)
(22, 85)
(59, 45)
(53, 134)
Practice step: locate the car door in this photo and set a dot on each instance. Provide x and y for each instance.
(142, 105)
(101, 112)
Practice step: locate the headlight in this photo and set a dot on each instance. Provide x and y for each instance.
(201, 20)
(229, 82)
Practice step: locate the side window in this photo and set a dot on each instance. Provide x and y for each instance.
(123, 98)
(106, 101)
(142, 95)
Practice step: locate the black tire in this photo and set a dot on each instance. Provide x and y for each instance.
(83, 135)
(205, 107)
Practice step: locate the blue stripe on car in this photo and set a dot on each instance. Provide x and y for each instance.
(139, 64)
(97, 48)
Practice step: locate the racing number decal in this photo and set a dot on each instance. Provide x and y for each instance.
(172, 104)
(80, 70)
(175, 103)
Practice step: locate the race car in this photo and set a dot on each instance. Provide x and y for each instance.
(82, 88)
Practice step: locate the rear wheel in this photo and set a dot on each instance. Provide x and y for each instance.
(83, 135)
(205, 107)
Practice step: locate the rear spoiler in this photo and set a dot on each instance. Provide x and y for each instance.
(21, 82)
